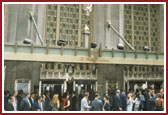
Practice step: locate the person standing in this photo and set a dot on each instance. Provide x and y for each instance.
(106, 106)
(20, 96)
(136, 102)
(32, 101)
(38, 105)
(142, 101)
(55, 104)
(43, 101)
(97, 104)
(129, 102)
(80, 97)
(117, 101)
(15, 103)
(73, 102)
(48, 101)
(10, 106)
(84, 102)
(65, 102)
(159, 102)
(123, 100)
(25, 103)
(6, 97)
(151, 103)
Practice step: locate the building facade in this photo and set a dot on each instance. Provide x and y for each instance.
(140, 25)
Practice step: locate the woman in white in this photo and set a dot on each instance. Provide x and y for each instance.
(129, 102)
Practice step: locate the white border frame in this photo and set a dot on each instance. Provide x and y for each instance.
(3, 3)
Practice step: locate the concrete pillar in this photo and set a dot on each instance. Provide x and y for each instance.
(127, 86)
(74, 85)
(40, 83)
(96, 86)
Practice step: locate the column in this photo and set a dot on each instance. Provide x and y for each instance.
(65, 86)
(96, 86)
(149, 32)
(74, 83)
(58, 22)
(132, 21)
(79, 25)
(127, 86)
(106, 86)
(40, 88)
(146, 84)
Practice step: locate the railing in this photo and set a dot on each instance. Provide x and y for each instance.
(38, 49)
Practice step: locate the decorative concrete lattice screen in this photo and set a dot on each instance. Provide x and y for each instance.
(66, 22)
(142, 26)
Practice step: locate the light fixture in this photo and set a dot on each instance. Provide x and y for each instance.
(61, 42)
(93, 45)
(120, 46)
(27, 41)
(146, 48)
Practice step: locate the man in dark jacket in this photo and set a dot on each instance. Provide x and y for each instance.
(97, 104)
(73, 102)
(123, 99)
(25, 103)
(47, 102)
(117, 101)
(106, 106)
(32, 101)
(151, 105)
(38, 105)
(6, 97)
(10, 106)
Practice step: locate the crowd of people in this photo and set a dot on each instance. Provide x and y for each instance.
(141, 100)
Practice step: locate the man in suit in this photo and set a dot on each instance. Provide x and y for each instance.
(97, 104)
(38, 105)
(84, 102)
(151, 105)
(25, 103)
(32, 101)
(19, 98)
(73, 102)
(117, 101)
(10, 106)
(106, 106)
(48, 102)
(123, 99)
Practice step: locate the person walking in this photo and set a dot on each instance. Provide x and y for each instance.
(84, 102)
(159, 102)
(55, 104)
(25, 103)
(97, 104)
(106, 106)
(117, 101)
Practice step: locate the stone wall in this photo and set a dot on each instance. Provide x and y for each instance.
(19, 25)
(112, 73)
(18, 70)
(114, 13)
